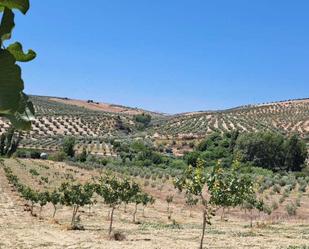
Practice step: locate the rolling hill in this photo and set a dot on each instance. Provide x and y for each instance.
(95, 124)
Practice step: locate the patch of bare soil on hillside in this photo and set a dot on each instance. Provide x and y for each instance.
(98, 106)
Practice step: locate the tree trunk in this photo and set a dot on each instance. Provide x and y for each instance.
(75, 209)
(55, 210)
(31, 210)
(251, 218)
(223, 213)
(168, 211)
(204, 227)
(125, 207)
(111, 221)
(143, 211)
(40, 216)
(134, 214)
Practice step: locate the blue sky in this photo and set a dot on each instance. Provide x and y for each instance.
(168, 55)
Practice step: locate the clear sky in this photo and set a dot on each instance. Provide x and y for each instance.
(168, 55)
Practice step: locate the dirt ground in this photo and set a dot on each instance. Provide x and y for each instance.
(18, 229)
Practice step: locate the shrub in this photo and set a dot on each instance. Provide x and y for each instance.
(291, 209)
(58, 157)
(302, 187)
(276, 189)
(274, 205)
(298, 202)
(282, 199)
(68, 146)
(34, 172)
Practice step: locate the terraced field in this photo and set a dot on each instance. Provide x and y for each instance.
(153, 229)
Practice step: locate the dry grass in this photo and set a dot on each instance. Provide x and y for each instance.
(19, 230)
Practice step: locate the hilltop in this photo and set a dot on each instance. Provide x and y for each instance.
(94, 124)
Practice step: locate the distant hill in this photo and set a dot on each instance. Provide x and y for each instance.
(290, 116)
(95, 124)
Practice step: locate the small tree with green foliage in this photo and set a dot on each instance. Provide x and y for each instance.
(76, 196)
(193, 181)
(43, 199)
(146, 200)
(111, 190)
(141, 198)
(31, 196)
(55, 199)
(225, 188)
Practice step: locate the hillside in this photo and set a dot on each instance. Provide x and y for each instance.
(286, 117)
(95, 124)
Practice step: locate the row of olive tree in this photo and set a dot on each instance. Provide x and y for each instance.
(113, 190)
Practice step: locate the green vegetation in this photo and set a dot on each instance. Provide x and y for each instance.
(272, 151)
(9, 142)
(14, 104)
(262, 149)
(76, 196)
(68, 146)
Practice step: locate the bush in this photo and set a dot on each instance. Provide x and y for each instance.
(298, 202)
(58, 157)
(291, 209)
(68, 146)
(276, 189)
(302, 187)
(274, 205)
(28, 153)
(33, 172)
(282, 199)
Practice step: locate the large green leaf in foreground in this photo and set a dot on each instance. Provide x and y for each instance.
(14, 104)
(22, 5)
(11, 84)
(16, 50)
(7, 24)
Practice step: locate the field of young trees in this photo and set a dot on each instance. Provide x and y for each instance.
(43, 201)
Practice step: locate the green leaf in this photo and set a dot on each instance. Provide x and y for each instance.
(16, 50)
(22, 121)
(14, 104)
(22, 5)
(11, 84)
(7, 25)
